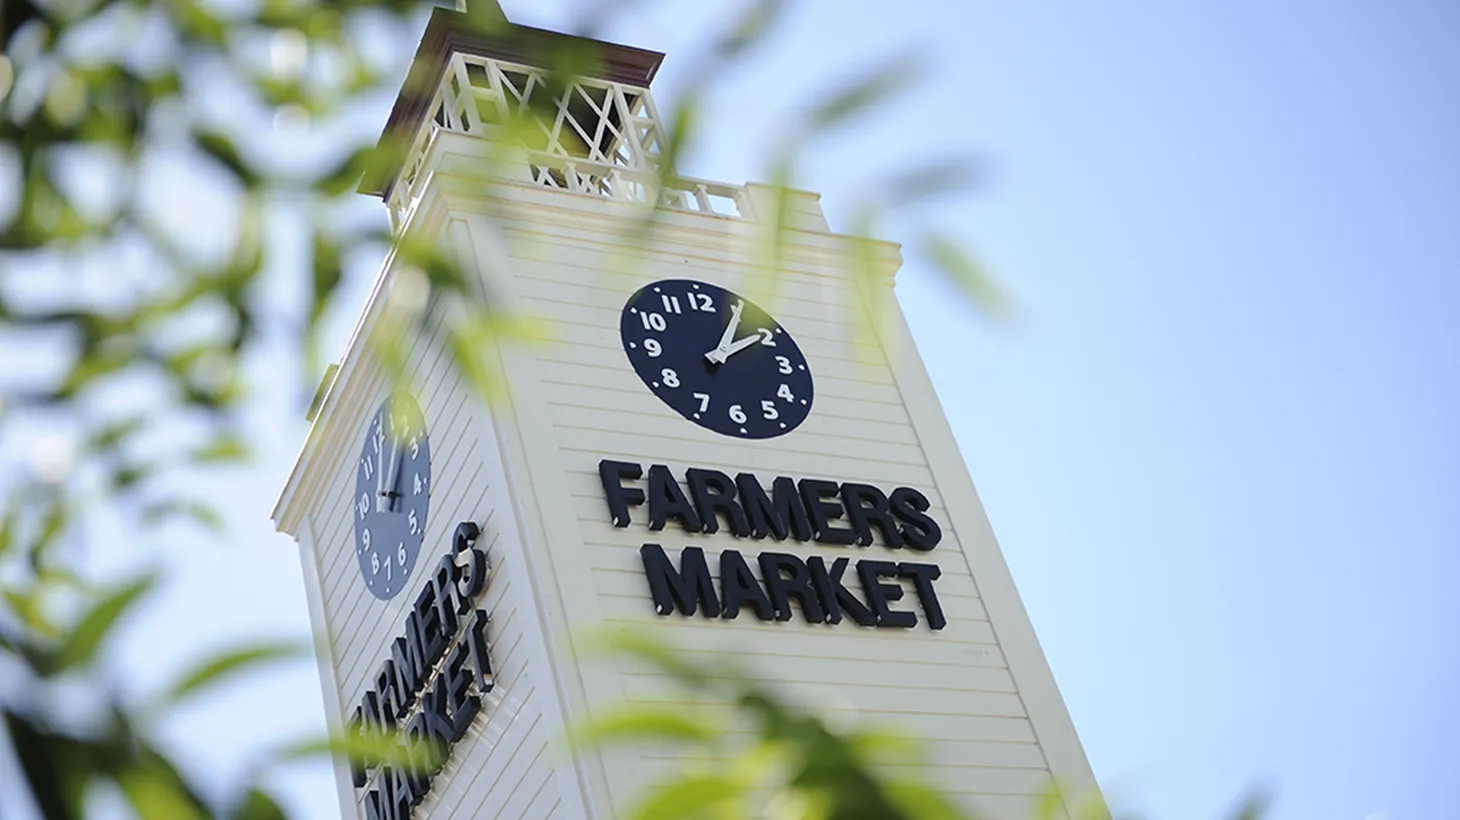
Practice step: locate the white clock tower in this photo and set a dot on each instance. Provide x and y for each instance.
(748, 462)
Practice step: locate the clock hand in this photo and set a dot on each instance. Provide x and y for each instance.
(725, 353)
(379, 475)
(717, 356)
(395, 454)
(394, 492)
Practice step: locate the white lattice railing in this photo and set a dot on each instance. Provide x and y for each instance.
(603, 138)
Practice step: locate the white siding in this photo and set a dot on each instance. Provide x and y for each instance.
(953, 688)
(977, 693)
(500, 767)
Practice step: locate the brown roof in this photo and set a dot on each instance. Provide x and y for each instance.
(491, 35)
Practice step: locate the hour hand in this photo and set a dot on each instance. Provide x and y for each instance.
(717, 356)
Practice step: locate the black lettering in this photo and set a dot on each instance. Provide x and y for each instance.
(437, 721)
(667, 500)
(456, 677)
(407, 675)
(420, 759)
(738, 585)
(919, 529)
(779, 518)
(427, 747)
(428, 626)
(355, 728)
(619, 497)
(866, 507)
(387, 801)
(402, 792)
(713, 493)
(370, 706)
(390, 697)
(414, 653)
(923, 576)
(444, 583)
(785, 578)
(835, 597)
(375, 806)
(880, 595)
(481, 657)
(688, 588)
(819, 496)
(472, 578)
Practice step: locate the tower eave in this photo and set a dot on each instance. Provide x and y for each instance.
(449, 32)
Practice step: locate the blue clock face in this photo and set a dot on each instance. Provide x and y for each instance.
(716, 359)
(392, 491)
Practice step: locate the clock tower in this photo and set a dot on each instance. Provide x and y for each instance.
(746, 457)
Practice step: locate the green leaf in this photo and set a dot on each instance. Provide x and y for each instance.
(195, 511)
(751, 28)
(225, 447)
(79, 647)
(257, 806)
(928, 181)
(920, 801)
(7, 532)
(156, 793)
(648, 722)
(654, 652)
(368, 744)
(56, 776)
(875, 88)
(215, 669)
(328, 272)
(688, 796)
(1253, 806)
(963, 273)
(221, 148)
(343, 178)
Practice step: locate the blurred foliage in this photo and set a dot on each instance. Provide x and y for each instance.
(100, 99)
(749, 751)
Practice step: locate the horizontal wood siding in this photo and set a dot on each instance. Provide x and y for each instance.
(951, 689)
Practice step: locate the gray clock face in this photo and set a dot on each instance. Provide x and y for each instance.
(392, 491)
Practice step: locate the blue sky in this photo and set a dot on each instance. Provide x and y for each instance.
(1219, 443)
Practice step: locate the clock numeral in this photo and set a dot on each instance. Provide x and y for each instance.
(704, 400)
(736, 414)
(785, 393)
(768, 408)
(365, 537)
(414, 522)
(415, 446)
(374, 564)
(386, 562)
(671, 379)
(364, 505)
(368, 467)
(671, 303)
(652, 321)
(785, 365)
(701, 301)
(653, 348)
(766, 339)
(420, 484)
(400, 553)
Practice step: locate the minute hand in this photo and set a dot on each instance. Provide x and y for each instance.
(739, 345)
(717, 356)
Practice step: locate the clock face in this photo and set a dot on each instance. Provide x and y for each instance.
(392, 488)
(717, 359)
